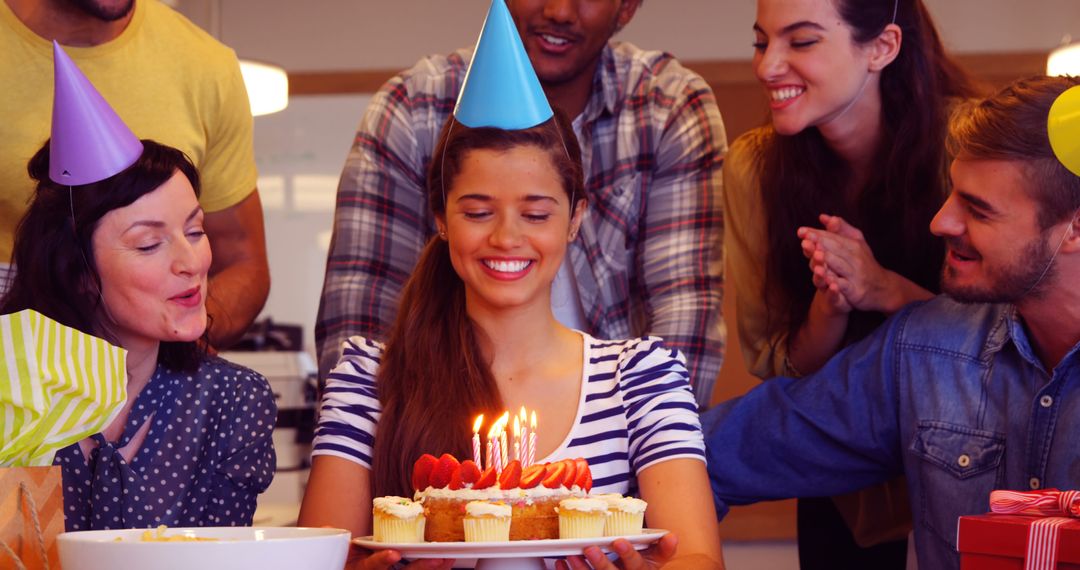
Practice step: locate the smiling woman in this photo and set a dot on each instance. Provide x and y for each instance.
(125, 258)
(828, 209)
(508, 241)
(160, 234)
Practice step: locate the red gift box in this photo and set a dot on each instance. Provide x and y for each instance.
(1000, 542)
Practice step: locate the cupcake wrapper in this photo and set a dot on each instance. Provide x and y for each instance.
(623, 524)
(392, 529)
(494, 529)
(581, 525)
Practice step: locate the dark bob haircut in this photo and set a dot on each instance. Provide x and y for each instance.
(56, 274)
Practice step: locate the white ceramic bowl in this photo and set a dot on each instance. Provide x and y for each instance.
(236, 548)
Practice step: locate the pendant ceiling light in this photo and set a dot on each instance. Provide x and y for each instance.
(1065, 59)
(267, 84)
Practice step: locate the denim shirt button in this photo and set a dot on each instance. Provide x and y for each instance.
(1046, 401)
(963, 460)
(1035, 483)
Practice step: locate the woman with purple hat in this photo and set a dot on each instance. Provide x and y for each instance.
(113, 245)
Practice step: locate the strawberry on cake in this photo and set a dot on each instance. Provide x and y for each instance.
(445, 486)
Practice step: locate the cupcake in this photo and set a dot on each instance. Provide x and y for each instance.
(626, 515)
(486, 522)
(582, 518)
(398, 519)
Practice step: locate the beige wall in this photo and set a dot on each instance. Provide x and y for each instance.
(390, 34)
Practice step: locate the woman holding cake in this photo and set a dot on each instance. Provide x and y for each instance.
(475, 333)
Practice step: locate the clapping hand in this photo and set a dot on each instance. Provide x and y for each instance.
(845, 270)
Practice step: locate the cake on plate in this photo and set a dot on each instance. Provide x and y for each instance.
(445, 486)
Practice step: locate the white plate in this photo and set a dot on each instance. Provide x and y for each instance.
(509, 549)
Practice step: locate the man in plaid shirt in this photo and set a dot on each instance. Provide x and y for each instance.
(649, 257)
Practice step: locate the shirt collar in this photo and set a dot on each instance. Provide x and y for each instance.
(607, 91)
(1019, 336)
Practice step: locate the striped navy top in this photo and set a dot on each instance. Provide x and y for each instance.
(636, 410)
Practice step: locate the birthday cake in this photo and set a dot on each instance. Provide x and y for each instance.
(445, 486)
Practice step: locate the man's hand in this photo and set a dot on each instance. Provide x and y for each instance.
(629, 559)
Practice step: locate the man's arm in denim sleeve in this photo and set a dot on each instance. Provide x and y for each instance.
(830, 433)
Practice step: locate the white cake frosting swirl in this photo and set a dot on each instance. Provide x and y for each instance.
(398, 507)
(487, 509)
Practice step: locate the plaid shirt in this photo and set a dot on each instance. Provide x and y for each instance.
(649, 257)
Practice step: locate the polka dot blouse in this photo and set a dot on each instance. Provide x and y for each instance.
(206, 457)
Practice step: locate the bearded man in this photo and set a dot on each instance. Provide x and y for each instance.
(975, 390)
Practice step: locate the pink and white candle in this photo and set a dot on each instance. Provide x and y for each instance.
(493, 447)
(531, 456)
(505, 455)
(476, 441)
(523, 419)
(517, 440)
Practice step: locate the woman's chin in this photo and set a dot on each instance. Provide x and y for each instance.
(788, 128)
(188, 331)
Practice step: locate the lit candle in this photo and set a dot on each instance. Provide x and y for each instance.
(524, 436)
(532, 439)
(493, 447)
(503, 422)
(517, 439)
(476, 441)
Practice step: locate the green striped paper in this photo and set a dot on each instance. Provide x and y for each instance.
(57, 386)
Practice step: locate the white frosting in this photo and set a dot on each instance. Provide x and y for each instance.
(399, 507)
(607, 497)
(486, 509)
(617, 502)
(583, 505)
(494, 493)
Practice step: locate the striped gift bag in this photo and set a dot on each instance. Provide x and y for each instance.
(57, 386)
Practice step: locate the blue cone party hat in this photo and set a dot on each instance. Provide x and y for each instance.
(89, 141)
(501, 88)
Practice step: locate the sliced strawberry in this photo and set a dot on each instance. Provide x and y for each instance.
(487, 479)
(531, 476)
(455, 479)
(511, 475)
(571, 473)
(469, 472)
(553, 475)
(440, 476)
(421, 471)
(584, 474)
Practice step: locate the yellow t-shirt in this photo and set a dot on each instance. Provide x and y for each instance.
(166, 78)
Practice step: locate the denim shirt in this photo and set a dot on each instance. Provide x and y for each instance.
(951, 395)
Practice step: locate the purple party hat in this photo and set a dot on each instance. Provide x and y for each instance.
(89, 141)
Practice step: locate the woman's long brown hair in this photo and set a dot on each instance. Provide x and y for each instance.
(802, 177)
(433, 378)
